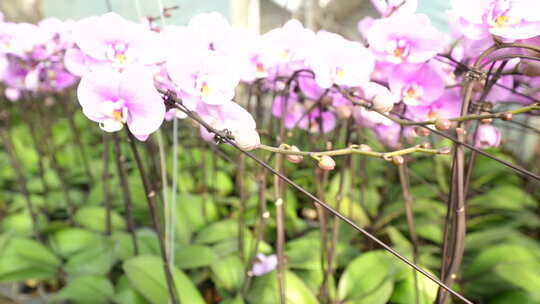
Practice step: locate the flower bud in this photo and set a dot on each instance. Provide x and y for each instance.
(445, 150)
(487, 136)
(382, 104)
(421, 131)
(461, 132)
(486, 120)
(506, 116)
(247, 139)
(443, 124)
(295, 159)
(344, 112)
(365, 148)
(398, 160)
(327, 163)
(425, 145)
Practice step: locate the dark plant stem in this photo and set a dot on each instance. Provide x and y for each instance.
(242, 206)
(152, 206)
(76, 137)
(259, 229)
(408, 200)
(280, 218)
(21, 179)
(124, 184)
(48, 141)
(106, 191)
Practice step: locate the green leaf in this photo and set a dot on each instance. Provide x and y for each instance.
(506, 197)
(68, 241)
(20, 223)
(24, 259)
(218, 231)
(405, 291)
(379, 296)
(126, 294)
(88, 289)
(487, 259)
(265, 290)
(93, 217)
(365, 274)
(525, 276)
(511, 297)
(194, 256)
(228, 273)
(147, 276)
(95, 260)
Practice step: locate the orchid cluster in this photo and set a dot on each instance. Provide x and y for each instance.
(32, 57)
(405, 67)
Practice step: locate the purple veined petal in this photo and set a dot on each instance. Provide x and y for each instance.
(74, 60)
(471, 11)
(31, 81)
(3, 66)
(487, 136)
(95, 88)
(145, 106)
(88, 33)
(12, 94)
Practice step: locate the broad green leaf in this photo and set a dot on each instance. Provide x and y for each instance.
(88, 289)
(511, 297)
(509, 254)
(405, 291)
(20, 223)
(24, 259)
(218, 231)
(525, 276)
(265, 290)
(95, 260)
(194, 256)
(67, 241)
(365, 274)
(506, 197)
(381, 295)
(126, 294)
(228, 273)
(147, 276)
(93, 217)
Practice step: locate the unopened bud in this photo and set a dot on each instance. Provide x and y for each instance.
(309, 213)
(383, 104)
(421, 131)
(445, 150)
(443, 124)
(365, 148)
(327, 163)
(247, 139)
(486, 120)
(398, 160)
(506, 116)
(344, 112)
(293, 158)
(425, 145)
(461, 132)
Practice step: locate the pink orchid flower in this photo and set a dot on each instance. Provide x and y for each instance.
(336, 60)
(204, 73)
(508, 19)
(117, 41)
(487, 136)
(114, 98)
(405, 38)
(417, 85)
